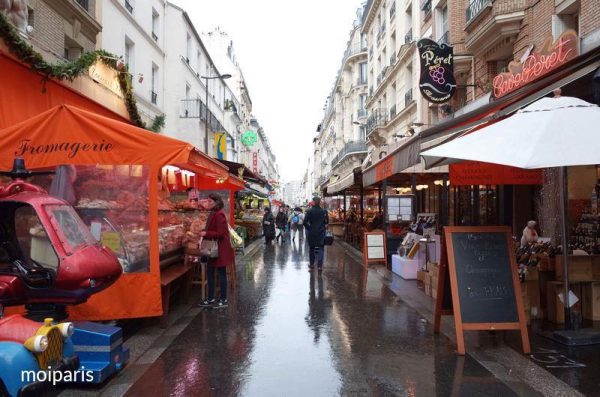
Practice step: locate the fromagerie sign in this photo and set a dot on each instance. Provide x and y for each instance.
(537, 64)
(70, 149)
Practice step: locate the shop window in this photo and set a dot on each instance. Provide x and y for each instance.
(112, 201)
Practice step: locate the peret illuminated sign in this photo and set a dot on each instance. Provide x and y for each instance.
(537, 64)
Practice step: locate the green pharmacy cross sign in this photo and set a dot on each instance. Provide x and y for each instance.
(249, 138)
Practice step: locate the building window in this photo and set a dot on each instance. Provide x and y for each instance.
(442, 23)
(188, 89)
(72, 49)
(129, 6)
(363, 41)
(84, 4)
(362, 103)
(198, 63)
(362, 73)
(154, 82)
(426, 8)
(130, 54)
(188, 47)
(155, 21)
(30, 18)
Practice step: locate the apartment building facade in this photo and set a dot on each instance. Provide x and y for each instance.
(340, 144)
(61, 31)
(392, 28)
(137, 35)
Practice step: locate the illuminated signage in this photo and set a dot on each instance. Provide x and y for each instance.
(537, 64)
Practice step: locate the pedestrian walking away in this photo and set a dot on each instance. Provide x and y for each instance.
(315, 223)
(281, 222)
(217, 229)
(297, 222)
(268, 226)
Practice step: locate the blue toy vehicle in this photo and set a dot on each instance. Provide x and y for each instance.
(32, 356)
(100, 350)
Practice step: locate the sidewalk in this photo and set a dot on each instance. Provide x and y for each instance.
(500, 353)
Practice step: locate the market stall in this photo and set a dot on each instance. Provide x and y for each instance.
(114, 175)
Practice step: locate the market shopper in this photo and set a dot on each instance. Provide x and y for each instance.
(217, 229)
(315, 223)
(268, 226)
(296, 222)
(281, 222)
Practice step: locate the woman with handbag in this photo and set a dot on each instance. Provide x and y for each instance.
(217, 231)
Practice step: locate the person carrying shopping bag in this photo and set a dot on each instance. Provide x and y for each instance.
(217, 229)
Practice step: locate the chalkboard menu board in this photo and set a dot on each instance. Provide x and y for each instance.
(486, 294)
(485, 283)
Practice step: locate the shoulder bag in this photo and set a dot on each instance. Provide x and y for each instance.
(209, 248)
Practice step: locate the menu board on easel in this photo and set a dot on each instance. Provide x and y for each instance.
(483, 278)
(374, 247)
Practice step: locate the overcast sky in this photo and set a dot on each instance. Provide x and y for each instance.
(289, 52)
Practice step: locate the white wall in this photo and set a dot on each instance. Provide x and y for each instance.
(119, 24)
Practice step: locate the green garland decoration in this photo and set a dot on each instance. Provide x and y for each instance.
(71, 70)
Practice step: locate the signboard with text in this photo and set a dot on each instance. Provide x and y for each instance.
(437, 82)
(384, 169)
(537, 64)
(477, 173)
(255, 162)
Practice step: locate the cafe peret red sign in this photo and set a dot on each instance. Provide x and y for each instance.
(551, 56)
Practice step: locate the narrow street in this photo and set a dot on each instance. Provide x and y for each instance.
(288, 332)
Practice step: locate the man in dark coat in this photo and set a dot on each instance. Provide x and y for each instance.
(315, 223)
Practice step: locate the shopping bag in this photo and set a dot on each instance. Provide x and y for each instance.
(209, 248)
(328, 238)
(236, 240)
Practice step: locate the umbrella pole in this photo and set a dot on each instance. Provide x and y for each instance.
(565, 251)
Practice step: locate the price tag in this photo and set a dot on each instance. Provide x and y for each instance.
(112, 240)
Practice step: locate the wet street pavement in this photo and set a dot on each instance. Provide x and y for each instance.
(289, 332)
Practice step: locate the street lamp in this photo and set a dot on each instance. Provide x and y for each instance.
(206, 78)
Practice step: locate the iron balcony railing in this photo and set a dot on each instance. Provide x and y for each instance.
(348, 149)
(129, 6)
(354, 50)
(378, 118)
(408, 38)
(408, 97)
(392, 111)
(84, 3)
(382, 75)
(196, 109)
(153, 97)
(445, 39)
(475, 8)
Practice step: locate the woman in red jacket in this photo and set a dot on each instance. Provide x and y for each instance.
(217, 229)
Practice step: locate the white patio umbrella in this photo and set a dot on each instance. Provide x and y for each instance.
(551, 132)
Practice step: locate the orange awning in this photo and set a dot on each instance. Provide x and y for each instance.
(66, 134)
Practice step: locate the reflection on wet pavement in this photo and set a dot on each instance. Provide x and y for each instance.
(288, 332)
